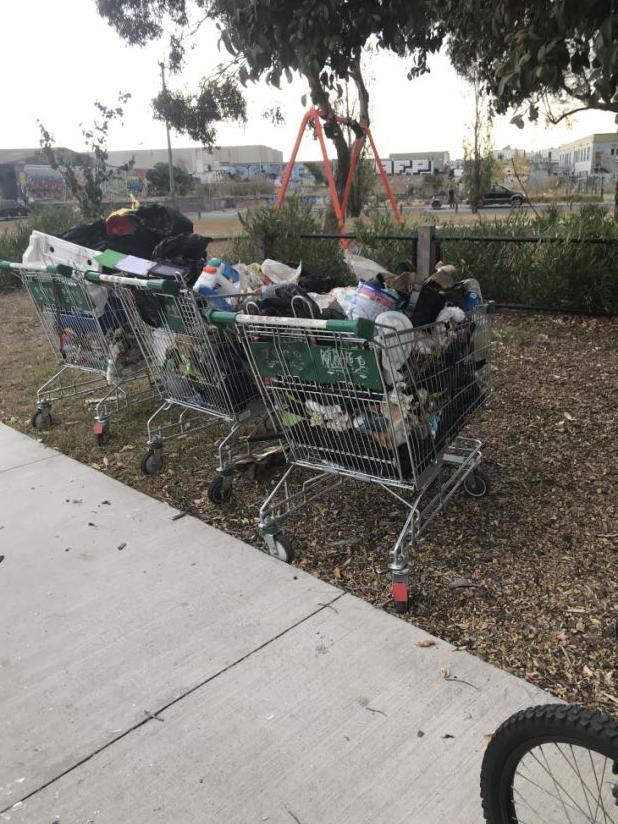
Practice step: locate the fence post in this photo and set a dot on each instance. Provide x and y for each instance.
(426, 250)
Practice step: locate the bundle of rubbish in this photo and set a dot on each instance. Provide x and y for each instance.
(431, 344)
(433, 353)
(150, 240)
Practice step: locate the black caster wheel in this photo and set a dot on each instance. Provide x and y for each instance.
(220, 490)
(103, 437)
(476, 484)
(279, 547)
(152, 462)
(41, 420)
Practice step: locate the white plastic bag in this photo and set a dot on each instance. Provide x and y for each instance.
(363, 268)
(278, 273)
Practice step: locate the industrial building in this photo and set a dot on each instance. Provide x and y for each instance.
(417, 162)
(596, 154)
(197, 160)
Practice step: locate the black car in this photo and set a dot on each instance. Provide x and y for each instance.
(499, 195)
(11, 208)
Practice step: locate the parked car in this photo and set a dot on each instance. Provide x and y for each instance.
(11, 208)
(499, 195)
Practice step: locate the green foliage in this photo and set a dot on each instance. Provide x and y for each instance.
(316, 167)
(86, 174)
(478, 175)
(527, 50)
(52, 220)
(276, 233)
(195, 114)
(389, 253)
(568, 275)
(363, 186)
(159, 180)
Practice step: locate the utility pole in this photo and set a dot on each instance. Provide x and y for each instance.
(169, 143)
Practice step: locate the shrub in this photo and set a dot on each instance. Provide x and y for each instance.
(567, 275)
(276, 233)
(53, 220)
(388, 253)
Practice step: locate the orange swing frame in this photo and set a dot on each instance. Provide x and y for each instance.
(339, 206)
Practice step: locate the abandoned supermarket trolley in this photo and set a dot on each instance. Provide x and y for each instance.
(96, 351)
(373, 403)
(202, 375)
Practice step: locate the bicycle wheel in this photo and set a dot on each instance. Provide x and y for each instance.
(553, 764)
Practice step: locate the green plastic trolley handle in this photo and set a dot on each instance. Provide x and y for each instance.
(360, 328)
(154, 285)
(51, 268)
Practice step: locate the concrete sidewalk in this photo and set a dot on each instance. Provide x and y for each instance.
(158, 670)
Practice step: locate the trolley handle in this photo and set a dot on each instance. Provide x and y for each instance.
(51, 268)
(360, 328)
(153, 284)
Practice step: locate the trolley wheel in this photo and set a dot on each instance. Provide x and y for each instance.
(400, 591)
(41, 419)
(476, 484)
(103, 437)
(152, 462)
(279, 547)
(529, 762)
(220, 489)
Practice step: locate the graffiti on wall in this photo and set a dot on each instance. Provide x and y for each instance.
(41, 183)
(405, 167)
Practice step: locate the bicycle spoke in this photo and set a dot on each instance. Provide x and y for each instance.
(572, 807)
(578, 773)
(556, 784)
(527, 803)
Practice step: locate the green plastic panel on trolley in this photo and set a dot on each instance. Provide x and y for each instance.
(169, 307)
(63, 295)
(345, 363)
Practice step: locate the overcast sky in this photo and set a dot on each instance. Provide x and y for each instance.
(58, 57)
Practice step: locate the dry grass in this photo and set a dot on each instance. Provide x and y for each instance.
(539, 555)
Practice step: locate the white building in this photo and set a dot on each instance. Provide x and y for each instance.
(197, 160)
(417, 162)
(596, 154)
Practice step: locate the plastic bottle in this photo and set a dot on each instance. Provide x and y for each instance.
(217, 281)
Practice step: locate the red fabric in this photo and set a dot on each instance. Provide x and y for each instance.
(120, 225)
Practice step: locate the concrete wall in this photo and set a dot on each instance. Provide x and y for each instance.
(195, 159)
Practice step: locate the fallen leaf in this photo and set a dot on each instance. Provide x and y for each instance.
(444, 672)
(337, 572)
(426, 642)
(568, 417)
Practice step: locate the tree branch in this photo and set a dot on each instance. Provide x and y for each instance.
(363, 95)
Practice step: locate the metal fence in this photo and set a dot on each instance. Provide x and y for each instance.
(426, 247)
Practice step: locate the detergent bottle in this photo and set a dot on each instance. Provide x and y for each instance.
(218, 281)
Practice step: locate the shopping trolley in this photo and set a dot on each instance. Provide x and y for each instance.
(367, 402)
(95, 347)
(200, 370)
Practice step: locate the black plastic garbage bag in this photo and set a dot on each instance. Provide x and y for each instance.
(287, 300)
(183, 247)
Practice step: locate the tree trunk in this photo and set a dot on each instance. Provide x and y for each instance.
(319, 96)
(359, 192)
(616, 201)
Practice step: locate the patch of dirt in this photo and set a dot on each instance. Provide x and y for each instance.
(538, 556)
